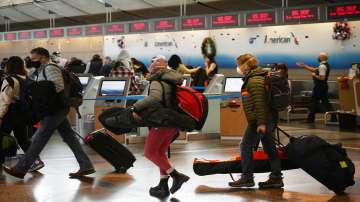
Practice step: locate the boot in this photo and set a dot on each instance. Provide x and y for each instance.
(161, 190)
(272, 183)
(178, 180)
(243, 182)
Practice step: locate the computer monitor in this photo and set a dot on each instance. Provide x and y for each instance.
(112, 88)
(233, 84)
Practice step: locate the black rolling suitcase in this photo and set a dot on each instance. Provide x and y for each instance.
(111, 150)
(327, 163)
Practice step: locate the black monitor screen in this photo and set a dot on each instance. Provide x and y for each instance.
(233, 85)
(112, 88)
(84, 80)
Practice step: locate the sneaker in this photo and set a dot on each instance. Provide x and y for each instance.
(271, 183)
(37, 165)
(243, 182)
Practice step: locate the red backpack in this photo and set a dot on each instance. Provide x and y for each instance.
(191, 102)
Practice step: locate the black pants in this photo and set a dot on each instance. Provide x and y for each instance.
(22, 132)
(320, 93)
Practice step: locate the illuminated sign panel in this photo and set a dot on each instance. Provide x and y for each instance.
(225, 20)
(24, 35)
(94, 30)
(164, 25)
(40, 34)
(193, 23)
(139, 27)
(302, 14)
(1, 37)
(59, 32)
(257, 18)
(10, 36)
(344, 11)
(74, 31)
(115, 29)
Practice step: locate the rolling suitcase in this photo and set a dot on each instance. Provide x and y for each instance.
(111, 150)
(327, 163)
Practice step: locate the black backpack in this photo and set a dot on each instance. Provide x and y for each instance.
(72, 87)
(24, 105)
(278, 89)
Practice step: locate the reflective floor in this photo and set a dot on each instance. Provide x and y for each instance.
(52, 183)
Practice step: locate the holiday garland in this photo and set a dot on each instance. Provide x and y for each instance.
(341, 31)
(208, 47)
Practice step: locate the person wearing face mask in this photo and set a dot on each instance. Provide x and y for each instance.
(262, 120)
(158, 140)
(48, 73)
(320, 76)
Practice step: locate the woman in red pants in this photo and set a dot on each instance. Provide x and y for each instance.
(158, 141)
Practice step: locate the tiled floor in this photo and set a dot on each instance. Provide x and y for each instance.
(51, 184)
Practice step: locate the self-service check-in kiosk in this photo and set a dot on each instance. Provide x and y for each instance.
(87, 110)
(84, 80)
(233, 121)
(111, 93)
(215, 88)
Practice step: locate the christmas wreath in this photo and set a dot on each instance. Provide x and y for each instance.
(208, 47)
(341, 31)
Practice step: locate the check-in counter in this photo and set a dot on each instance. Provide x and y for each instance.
(233, 121)
(349, 94)
(215, 88)
(108, 89)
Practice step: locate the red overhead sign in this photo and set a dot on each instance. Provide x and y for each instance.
(193, 23)
(24, 35)
(40, 34)
(94, 30)
(10, 36)
(343, 11)
(164, 25)
(58, 32)
(301, 14)
(115, 29)
(257, 18)
(139, 27)
(74, 31)
(225, 20)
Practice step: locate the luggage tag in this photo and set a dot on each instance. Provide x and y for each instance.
(343, 164)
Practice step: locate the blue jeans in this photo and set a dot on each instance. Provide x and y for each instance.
(48, 125)
(249, 142)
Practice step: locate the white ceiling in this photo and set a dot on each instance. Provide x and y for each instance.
(27, 10)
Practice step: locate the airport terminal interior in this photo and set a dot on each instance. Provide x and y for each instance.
(231, 100)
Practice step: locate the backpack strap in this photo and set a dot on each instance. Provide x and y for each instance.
(10, 82)
(44, 73)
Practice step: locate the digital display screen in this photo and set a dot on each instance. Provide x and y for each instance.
(225, 20)
(343, 11)
(94, 30)
(193, 23)
(164, 25)
(10, 36)
(115, 29)
(139, 27)
(84, 80)
(75, 31)
(1, 37)
(24, 35)
(302, 14)
(40, 34)
(112, 88)
(59, 32)
(233, 85)
(258, 18)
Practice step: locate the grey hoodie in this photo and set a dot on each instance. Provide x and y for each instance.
(168, 78)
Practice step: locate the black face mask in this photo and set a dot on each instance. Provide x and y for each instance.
(35, 64)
